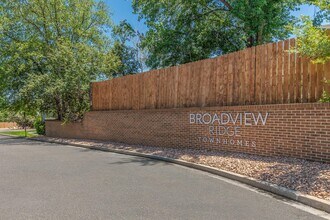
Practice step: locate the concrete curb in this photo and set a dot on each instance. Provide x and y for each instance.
(312, 201)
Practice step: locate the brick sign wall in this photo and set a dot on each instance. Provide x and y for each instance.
(296, 130)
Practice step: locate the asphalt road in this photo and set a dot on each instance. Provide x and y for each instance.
(50, 181)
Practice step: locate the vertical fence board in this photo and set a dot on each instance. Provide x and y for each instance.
(230, 63)
(141, 91)
(109, 95)
(213, 80)
(94, 87)
(319, 80)
(162, 89)
(243, 85)
(96, 98)
(259, 75)
(113, 91)
(135, 92)
(299, 68)
(194, 84)
(292, 64)
(208, 85)
(204, 83)
(313, 77)
(280, 72)
(176, 84)
(151, 89)
(286, 71)
(253, 76)
(123, 103)
(173, 87)
(258, 92)
(305, 86)
(273, 69)
(183, 85)
(189, 79)
(168, 87)
(267, 74)
(246, 83)
(327, 77)
(237, 71)
(121, 91)
(221, 80)
(115, 94)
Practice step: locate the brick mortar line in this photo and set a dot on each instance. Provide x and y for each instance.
(311, 201)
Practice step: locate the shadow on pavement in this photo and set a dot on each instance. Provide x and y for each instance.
(296, 174)
(141, 161)
(131, 159)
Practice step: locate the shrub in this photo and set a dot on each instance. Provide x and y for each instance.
(325, 97)
(39, 125)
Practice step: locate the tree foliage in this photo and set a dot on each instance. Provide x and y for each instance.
(50, 51)
(313, 40)
(182, 31)
(322, 14)
(4, 116)
(124, 48)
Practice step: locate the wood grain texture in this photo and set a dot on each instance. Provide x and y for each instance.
(292, 67)
(266, 74)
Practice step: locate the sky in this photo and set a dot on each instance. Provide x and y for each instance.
(122, 9)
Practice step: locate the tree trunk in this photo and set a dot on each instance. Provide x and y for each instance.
(250, 41)
(58, 109)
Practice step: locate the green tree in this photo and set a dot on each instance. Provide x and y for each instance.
(322, 14)
(181, 31)
(4, 116)
(50, 51)
(313, 41)
(126, 49)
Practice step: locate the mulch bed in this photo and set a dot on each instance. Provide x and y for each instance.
(312, 178)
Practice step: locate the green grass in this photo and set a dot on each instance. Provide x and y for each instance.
(20, 133)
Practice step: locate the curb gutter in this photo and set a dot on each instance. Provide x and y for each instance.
(312, 201)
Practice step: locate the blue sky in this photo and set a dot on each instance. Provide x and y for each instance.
(122, 9)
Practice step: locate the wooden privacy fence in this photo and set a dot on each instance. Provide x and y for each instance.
(265, 74)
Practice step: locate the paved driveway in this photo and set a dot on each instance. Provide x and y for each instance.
(50, 181)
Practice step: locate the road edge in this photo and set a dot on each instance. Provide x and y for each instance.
(311, 201)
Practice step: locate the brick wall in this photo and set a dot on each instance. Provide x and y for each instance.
(296, 130)
(8, 124)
